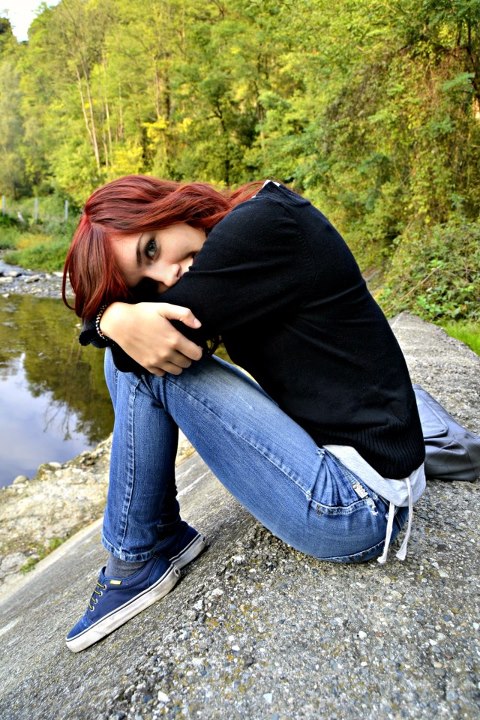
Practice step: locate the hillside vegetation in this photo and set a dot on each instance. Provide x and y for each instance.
(370, 108)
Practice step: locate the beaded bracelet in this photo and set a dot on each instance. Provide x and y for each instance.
(98, 319)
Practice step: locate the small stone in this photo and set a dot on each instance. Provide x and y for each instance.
(163, 697)
(217, 592)
(268, 697)
(53, 465)
(13, 562)
(20, 480)
(362, 635)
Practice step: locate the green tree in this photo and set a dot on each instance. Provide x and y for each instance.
(11, 131)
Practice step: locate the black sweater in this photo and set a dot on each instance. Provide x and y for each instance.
(281, 287)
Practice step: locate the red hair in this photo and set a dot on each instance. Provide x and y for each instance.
(130, 205)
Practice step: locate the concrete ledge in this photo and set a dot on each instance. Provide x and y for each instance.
(255, 630)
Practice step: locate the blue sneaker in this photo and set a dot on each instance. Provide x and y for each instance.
(185, 546)
(113, 601)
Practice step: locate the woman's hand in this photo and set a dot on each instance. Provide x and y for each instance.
(145, 333)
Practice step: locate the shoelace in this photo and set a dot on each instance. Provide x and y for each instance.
(402, 553)
(98, 591)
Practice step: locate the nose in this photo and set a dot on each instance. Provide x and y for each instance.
(166, 275)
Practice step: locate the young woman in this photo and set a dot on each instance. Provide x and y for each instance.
(326, 450)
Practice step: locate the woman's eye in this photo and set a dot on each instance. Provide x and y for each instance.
(151, 249)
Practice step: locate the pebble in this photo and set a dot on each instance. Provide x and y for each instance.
(163, 697)
(28, 283)
(13, 562)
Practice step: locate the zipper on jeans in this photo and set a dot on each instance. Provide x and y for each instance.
(362, 493)
(359, 489)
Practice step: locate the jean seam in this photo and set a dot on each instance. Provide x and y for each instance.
(130, 469)
(343, 558)
(355, 506)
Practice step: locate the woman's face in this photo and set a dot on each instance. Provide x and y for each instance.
(162, 255)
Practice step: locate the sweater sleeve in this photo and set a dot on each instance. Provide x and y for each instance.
(254, 265)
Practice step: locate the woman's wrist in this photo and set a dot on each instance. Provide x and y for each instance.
(109, 321)
(98, 320)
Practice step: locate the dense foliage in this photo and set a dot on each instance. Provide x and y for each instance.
(370, 107)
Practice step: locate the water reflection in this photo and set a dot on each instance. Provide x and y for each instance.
(53, 400)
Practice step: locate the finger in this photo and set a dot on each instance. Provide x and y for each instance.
(155, 370)
(188, 348)
(172, 369)
(177, 312)
(179, 359)
(166, 367)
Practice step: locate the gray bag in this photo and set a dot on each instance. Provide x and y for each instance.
(451, 451)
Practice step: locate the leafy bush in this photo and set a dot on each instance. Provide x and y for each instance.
(37, 246)
(435, 273)
(9, 236)
(7, 221)
(40, 253)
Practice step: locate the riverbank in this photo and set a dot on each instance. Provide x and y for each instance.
(39, 513)
(25, 282)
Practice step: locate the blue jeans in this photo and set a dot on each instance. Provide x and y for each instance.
(297, 490)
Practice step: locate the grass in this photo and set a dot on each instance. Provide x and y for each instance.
(36, 247)
(38, 252)
(8, 238)
(466, 332)
(41, 553)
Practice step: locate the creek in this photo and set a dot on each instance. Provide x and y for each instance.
(53, 400)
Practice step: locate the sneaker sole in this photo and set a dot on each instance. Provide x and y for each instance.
(189, 553)
(121, 615)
